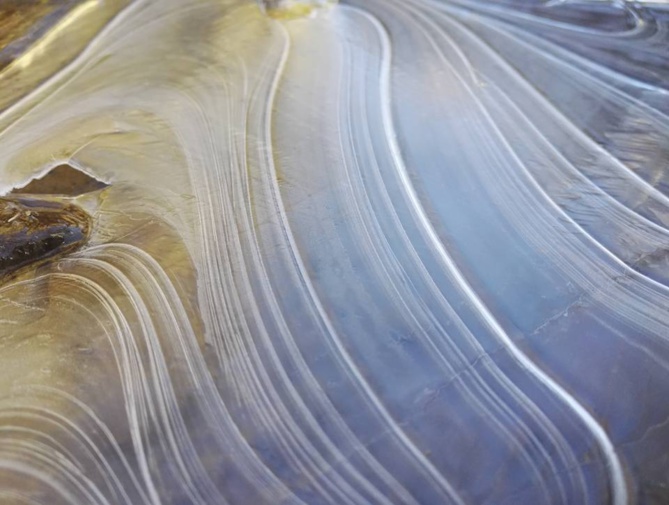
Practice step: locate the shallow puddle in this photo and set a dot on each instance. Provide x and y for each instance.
(365, 252)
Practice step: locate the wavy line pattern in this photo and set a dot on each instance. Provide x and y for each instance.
(401, 252)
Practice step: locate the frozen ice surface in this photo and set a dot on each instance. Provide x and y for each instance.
(403, 252)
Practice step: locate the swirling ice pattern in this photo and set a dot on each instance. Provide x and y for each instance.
(403, 252)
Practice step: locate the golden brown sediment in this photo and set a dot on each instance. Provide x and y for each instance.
(40, 37)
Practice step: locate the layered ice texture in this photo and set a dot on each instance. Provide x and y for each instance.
(395, 252)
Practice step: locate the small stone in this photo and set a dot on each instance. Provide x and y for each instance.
(33, 230)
